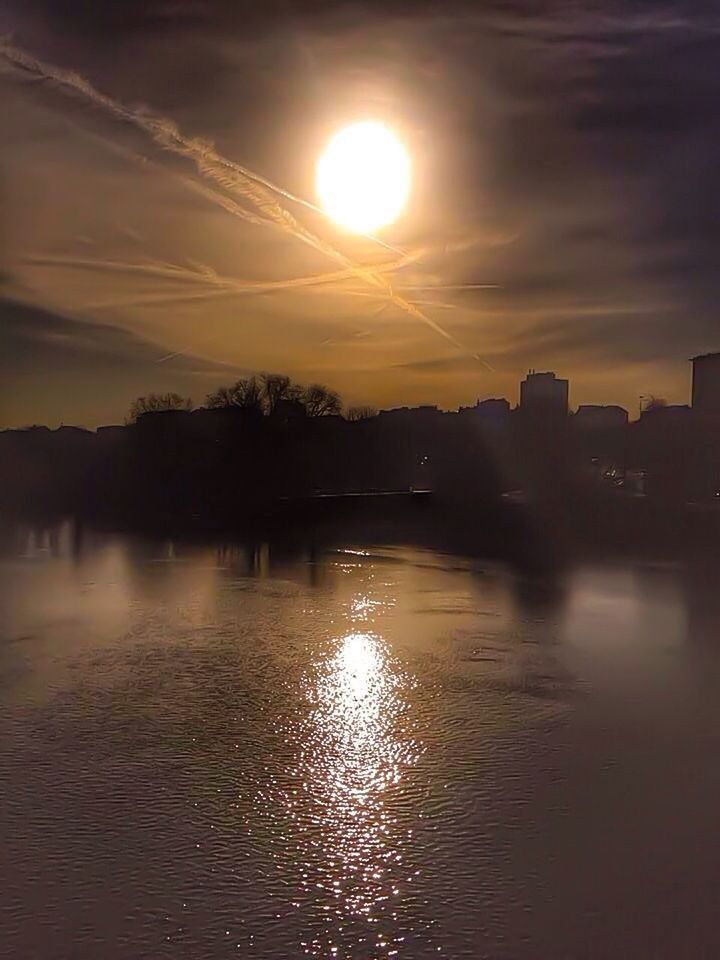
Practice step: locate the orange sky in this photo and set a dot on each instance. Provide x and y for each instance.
(124, 273)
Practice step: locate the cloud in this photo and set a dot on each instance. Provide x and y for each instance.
(54, 368)
(566, 152)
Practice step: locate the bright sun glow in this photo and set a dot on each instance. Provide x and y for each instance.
(363, 177)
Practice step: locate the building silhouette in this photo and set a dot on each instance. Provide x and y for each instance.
(706, 383)
(494, 411)
(704, 453)
(591, 416)
(238, 468)
(544, 393)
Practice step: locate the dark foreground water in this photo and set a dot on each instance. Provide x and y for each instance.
(365, 753)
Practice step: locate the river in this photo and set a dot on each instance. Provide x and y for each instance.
(368, 752)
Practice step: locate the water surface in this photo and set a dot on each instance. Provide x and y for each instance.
(370, 752)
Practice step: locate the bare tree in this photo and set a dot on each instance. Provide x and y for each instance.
(251, 393)
(246, 392)
(320, 401)
(361, 413)
(222, 397)
(155, 402)
(266, 391)
(276, 387)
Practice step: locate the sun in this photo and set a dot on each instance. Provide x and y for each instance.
(363, 177)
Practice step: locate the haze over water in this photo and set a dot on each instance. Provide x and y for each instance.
(370, 752)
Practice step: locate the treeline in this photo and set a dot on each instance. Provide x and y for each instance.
(264, 393)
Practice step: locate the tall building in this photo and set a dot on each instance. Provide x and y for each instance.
(544, 393)
(703, 455)
(706, 383)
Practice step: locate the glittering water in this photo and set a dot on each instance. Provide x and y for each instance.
(211, 752)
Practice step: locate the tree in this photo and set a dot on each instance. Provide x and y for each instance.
(276, 387)
(319, 401)
(361, 413)
(246, 393)
(266, 391)
(155, 402)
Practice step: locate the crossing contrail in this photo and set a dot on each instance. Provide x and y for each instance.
(208, 282)
(233, 177)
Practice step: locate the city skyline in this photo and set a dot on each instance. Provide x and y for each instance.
(562, 214)
(359, 479)
(703, 392)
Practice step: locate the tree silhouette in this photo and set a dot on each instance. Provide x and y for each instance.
(246, 392)
(268, 390)
(276, 387)
(155, 402)
(361, 413)
(319, 401)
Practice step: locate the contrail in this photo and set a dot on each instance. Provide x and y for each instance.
(295, 199)
(207, 274)
(418, 303)
(214, 196)
(453, 286)
(213, 284)
(164, 132)
(211, 165)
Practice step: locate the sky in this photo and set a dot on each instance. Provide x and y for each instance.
(564, 213)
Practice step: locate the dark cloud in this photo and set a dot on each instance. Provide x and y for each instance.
(57, 368)
(33, 338)
(566, 151)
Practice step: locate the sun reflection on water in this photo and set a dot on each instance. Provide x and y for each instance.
(354, 749)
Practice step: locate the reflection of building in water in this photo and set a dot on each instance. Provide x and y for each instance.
(702, 600)
(260, 560)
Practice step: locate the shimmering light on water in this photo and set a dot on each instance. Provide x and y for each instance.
(354, 753)
(370, 753)
(353, 746)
